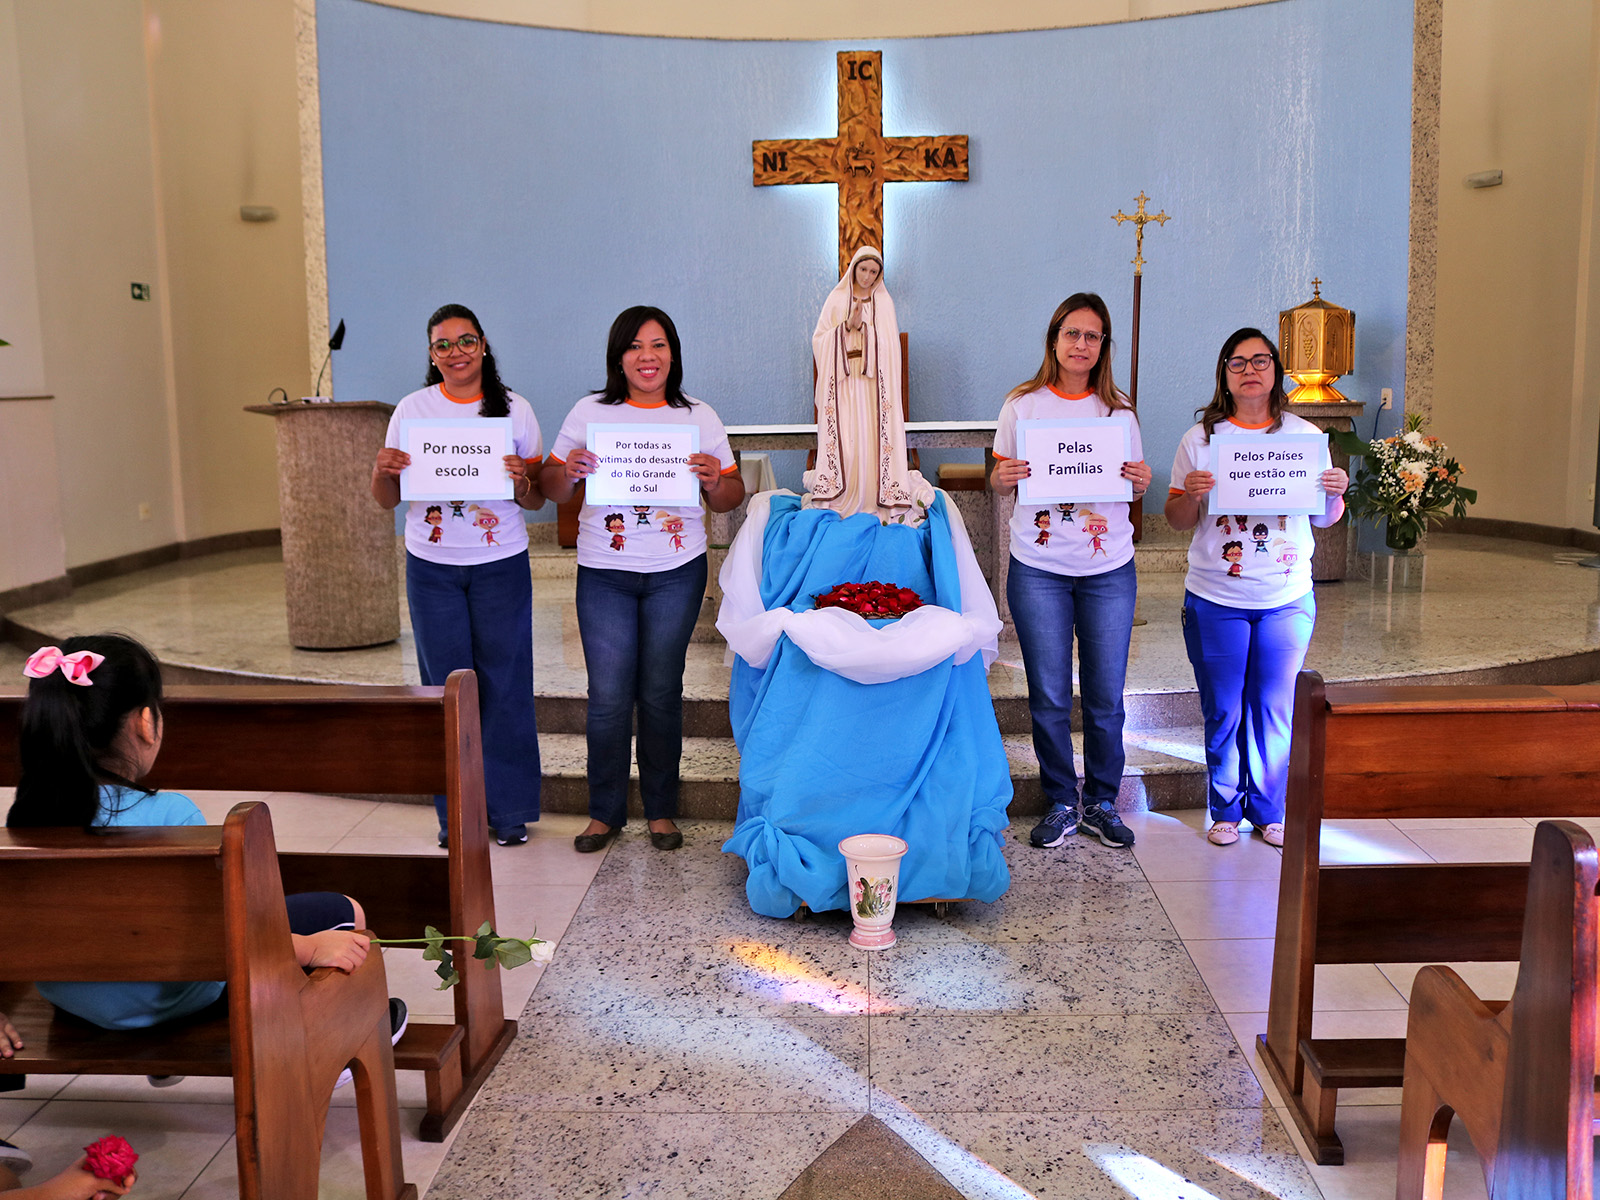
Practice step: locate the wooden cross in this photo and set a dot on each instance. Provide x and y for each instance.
(1140, 219)
(860, 159)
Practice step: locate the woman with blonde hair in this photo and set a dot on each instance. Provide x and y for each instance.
(1076, 580)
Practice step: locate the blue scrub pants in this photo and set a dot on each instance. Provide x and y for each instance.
(1048, 609)
(481, 616)
(1245, 661)
(636, 627)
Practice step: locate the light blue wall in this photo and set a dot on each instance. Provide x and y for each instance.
(549, 179)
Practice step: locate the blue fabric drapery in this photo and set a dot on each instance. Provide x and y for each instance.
(823, 757)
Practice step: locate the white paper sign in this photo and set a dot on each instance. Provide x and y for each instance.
(1277, 474)
(643, 464)
(456, 460)
(1074, 458)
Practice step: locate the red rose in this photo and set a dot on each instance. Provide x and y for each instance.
(110, 1158)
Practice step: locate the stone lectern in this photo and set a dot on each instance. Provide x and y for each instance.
(341, 579)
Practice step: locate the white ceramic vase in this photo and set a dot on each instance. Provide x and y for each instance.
(872, 876)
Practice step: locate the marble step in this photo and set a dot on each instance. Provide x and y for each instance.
(1161, 713)
(547, 560)
(1151, 558)
(1165, 770)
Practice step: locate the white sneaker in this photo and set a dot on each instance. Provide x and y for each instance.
(15, 1157)
(398, 1020)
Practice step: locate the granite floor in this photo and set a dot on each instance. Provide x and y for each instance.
(1087, 1035)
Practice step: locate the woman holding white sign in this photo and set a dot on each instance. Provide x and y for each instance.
(467, 581)
(640, 585)
(1071, 569)
(1248, 607)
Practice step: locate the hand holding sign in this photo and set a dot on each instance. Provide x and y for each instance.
(644, 464)
(1081, 460)
(1278, 474)
(455, 460)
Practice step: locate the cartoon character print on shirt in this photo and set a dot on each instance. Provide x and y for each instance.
(641, 514)
(672, 525)
(615, 524)
(1042, 520)
(1259, 536)
(455, 509)
(486, 520)
(435, 518)
(1232, 554)
(1288, 555)
(1066, 510)
(1096, 527)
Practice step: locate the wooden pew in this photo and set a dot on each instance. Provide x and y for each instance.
(1385, 752)
(366, 740)
(201, 903)
(1521, 1076)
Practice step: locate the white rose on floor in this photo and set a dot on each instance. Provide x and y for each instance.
(542, 952)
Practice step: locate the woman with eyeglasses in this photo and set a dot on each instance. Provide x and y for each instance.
(642, 582)
(1248, 607)
(467, 580)
(1073, 575)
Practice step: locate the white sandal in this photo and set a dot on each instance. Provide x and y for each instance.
(1223, 833)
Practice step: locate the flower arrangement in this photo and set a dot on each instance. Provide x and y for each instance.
(486, 945)
(876, 601)
(1409, 479)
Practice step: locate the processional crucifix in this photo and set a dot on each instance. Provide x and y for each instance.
(860, 159)
(1140, 219)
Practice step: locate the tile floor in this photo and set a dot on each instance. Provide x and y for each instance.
(1088, 1035)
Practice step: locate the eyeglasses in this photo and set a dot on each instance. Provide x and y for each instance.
(1088, 336)
(1259, 362)
(467, 341)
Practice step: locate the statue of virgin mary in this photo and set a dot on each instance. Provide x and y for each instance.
(844, 724)
(861, 432)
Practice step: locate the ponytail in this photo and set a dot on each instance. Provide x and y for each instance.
(67, 748)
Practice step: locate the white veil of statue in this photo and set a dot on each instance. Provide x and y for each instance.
(861, 434)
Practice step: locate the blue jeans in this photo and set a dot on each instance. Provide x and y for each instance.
(1047, 609)
(481, 616)
(635, 627)
(1245, 661)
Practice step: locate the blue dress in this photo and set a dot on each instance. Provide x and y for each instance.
(824, 757)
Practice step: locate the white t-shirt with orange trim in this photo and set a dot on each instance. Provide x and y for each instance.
(1067, 539)
(645, 537)
(1244, 560)
(461, 533)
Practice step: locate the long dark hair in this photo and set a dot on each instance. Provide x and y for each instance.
(623, 331)
(1100, 381)
(69, 733)
(1222, 405)
(496, 400)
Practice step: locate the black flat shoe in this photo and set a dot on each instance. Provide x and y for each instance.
(588, 843)
(667, 841)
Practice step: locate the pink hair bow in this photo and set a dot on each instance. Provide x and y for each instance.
(75, 666)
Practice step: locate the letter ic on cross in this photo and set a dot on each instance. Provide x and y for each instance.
(860, 159)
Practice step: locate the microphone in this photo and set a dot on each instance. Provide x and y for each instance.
(334, 343)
